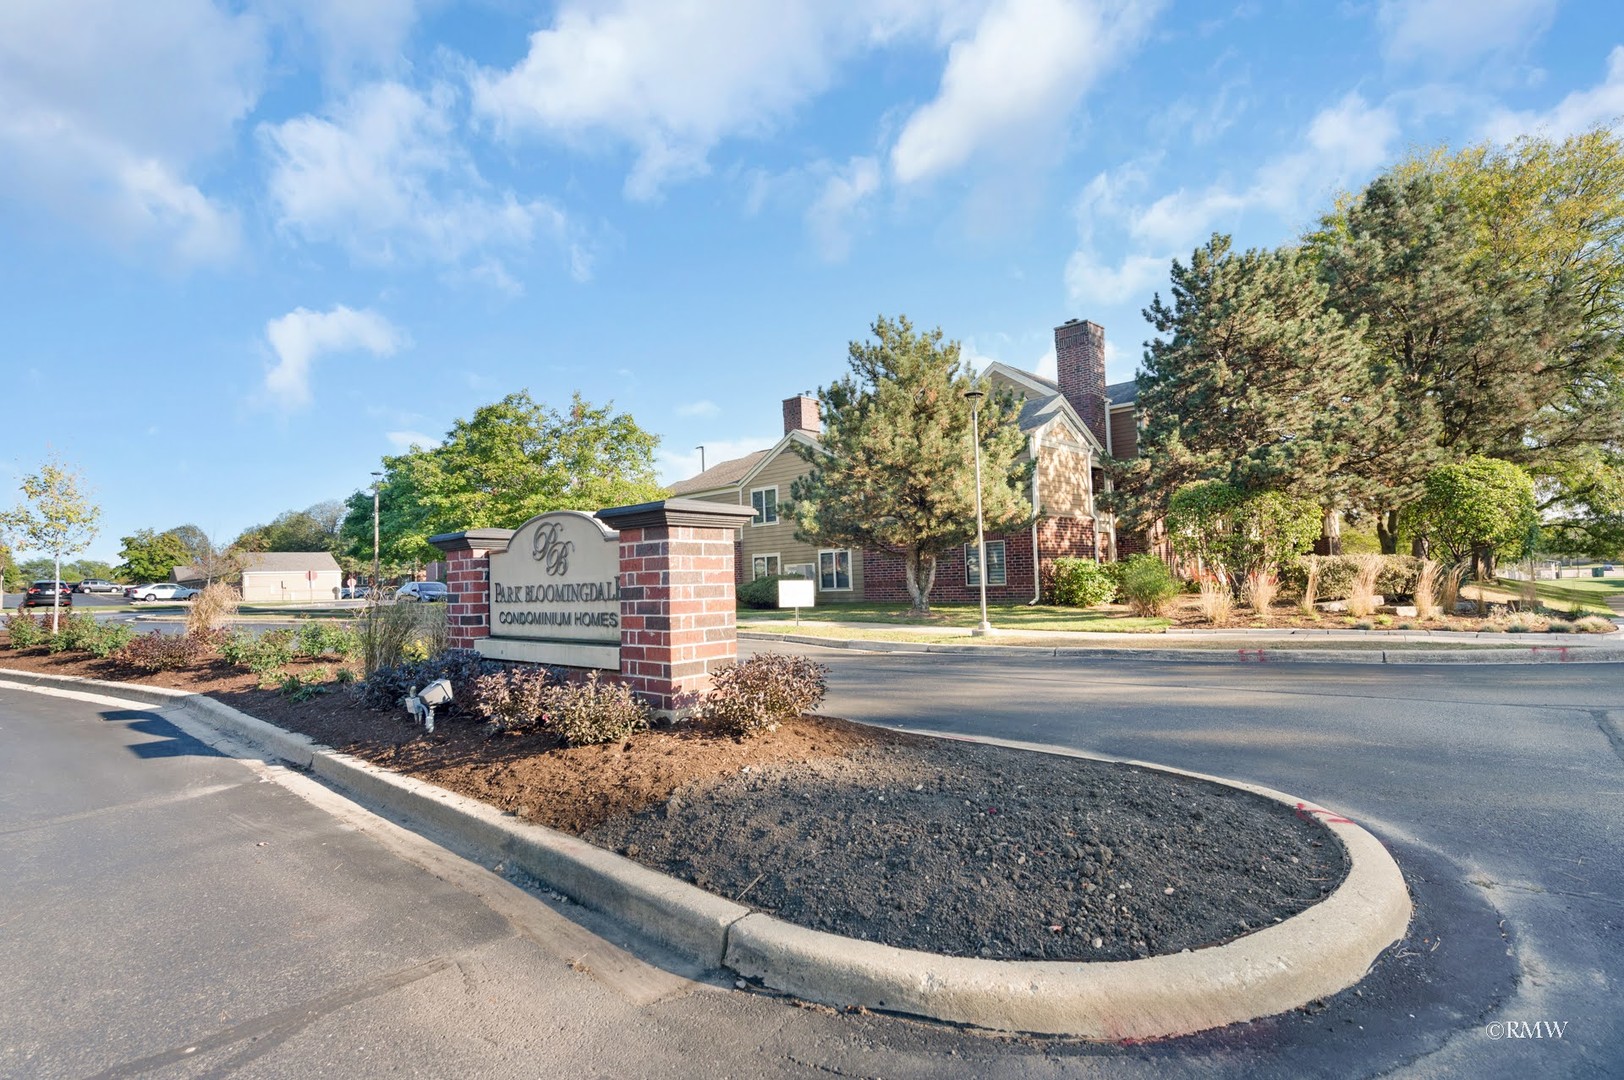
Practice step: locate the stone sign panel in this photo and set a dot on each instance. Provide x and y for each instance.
(555, 593)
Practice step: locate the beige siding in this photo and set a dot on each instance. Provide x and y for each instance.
(778, 538)
(1063, 480)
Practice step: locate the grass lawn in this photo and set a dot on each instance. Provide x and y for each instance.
(1216, 644)
(1571, 594)
(1002, 616)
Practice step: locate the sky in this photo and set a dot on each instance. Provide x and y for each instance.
(249, 248)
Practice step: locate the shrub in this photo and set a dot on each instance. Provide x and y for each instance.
(1148, 585)
(1594, 624)
(212, 607)
(757, 695)
(303, 688)
(1426, 590)
(762, 593)
(1310, 590)
(1362, 593)
(1449, 588)
(1524, 622)
(271, 650)
(387, 687)
(73, 634)
(510, 699)
(25, 631)
(158, 651)
(389, 634)
(108, 639)
(1081, 583)
(1217, 605)
(595, 710)
(326, 638)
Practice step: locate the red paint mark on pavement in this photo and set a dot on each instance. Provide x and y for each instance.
(1244, 653)
(1305, 811)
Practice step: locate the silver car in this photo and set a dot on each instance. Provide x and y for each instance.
(161, 590)
(423, 591)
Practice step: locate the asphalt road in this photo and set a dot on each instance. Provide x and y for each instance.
(169, 911)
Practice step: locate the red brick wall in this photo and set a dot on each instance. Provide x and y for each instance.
(468, 614)
(676, 609)
(1079, 348)
(883, 577)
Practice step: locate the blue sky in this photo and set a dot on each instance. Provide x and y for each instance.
(250, 247)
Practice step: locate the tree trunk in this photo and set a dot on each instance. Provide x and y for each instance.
(1420, 547)
(1483, 563)
(1330, 541)
(1387, 531)
(919, 574)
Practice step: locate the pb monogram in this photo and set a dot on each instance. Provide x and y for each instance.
(551, 552)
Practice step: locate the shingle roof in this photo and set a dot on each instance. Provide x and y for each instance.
(1123, 393)
(274, 562)
(721, 474)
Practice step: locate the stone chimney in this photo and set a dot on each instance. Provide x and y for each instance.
(1079, 351)
(801, 414)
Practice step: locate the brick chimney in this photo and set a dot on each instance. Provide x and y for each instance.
(801, 414)
(1079, 351)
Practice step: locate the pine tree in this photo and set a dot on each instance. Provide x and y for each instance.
(894, 468)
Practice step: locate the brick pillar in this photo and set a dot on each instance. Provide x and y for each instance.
(468, 577)
(676, 595)
(1079, 349)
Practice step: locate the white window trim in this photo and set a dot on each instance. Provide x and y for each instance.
(766, 555)
(776, 516)
(850, 576)
(1004, 562)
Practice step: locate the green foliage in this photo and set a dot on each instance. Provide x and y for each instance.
(108, 639)
(757, 695)
(511, 699)
(594, 710)
(150, 556)
(266, 651)
(158, 651)
(315, 529)
(514, 459)
(1396, 577)
(1081, 583)
(1236, 534)
(895, 468)
(302, 688)
(74, 634)
(24, 631)
(54, 517)
(762, 593)
(1480, 505)
(1147, 585)
(324, 637)
(1255, 381)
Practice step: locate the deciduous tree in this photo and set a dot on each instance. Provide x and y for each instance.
(149, 555)
(895, 469)
(55, 517)
(1479, 508)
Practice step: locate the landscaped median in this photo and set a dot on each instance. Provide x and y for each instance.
(1126, 851)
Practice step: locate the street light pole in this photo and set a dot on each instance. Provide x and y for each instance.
(376, 479)
(975, 397)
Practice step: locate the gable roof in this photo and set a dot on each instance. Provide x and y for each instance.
(282, 562)
(722, 474)
(1043, 404)
(1122, 393)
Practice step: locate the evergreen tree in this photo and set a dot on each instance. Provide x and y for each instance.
(895, 467)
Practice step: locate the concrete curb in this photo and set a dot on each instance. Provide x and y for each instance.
(1534, 654)
(1319, 952)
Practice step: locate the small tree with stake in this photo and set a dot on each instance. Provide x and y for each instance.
(54, 517)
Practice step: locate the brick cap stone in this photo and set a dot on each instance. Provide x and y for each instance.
(691, 512)
(484, 539)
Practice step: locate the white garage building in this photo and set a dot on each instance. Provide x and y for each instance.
(291, 575)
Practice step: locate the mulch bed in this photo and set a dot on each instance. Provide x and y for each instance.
(943, 846)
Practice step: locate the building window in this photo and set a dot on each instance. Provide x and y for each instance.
(995, 564)
(834, 570)
(802, 569)
(765, 501)
(763, 566)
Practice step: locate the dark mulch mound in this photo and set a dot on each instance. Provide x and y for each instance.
(946, 847)
(977, 850)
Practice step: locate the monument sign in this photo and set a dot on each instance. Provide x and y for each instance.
(555, 594)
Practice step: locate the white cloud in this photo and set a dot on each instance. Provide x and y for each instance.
(672, 465)
(699, 408)
(1016, 79)
(403, 441)
(1580, 111)
(352, 35)
(106, 108)
(1048, 366)
(384, 176)
(829, 218)
(1453, 32)
(301, 336)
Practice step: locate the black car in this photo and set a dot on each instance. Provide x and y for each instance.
(44, 594)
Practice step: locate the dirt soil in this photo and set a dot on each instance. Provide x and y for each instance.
(929, 844)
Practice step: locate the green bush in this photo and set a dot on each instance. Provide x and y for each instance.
(260, 653)
(757, 695)
(512, 698)
(1397, 576)
(594, 710)
(24, 631)
(1148, 585)
(73, 634)
(158, 651)
(327, 638)
(1081, 583)
(762, 593)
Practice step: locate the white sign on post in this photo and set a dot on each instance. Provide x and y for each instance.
(796, 594)
(555, 593)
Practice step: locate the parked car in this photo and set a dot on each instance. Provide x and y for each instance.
(44, 594)
(161, 590)
(96, 585)
(360, 592)
(423, 591)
